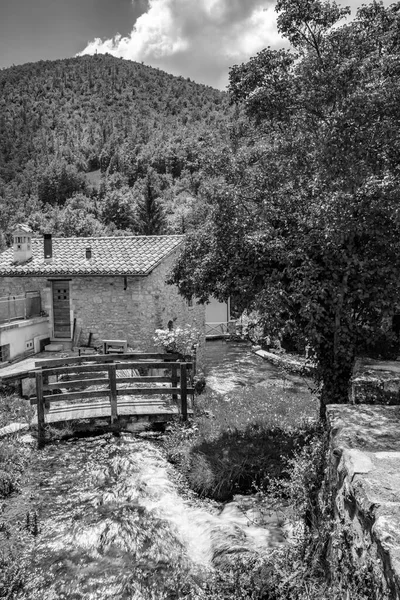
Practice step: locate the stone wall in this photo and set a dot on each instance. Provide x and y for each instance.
(376, 382)
(364, 478)
(103, 306)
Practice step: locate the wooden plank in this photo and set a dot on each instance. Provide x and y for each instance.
(184, 392)
(65, 396)
(174, 381)
(74, 383)
(112, 375)
(88, 368)
(75, 369)
(54, 362)
(76, 335)
(103, 411)
(151, 365)
(144, 379)
(40, 408)
(74, 396)
(151, 391)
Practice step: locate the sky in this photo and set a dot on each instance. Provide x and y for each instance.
(199, 39)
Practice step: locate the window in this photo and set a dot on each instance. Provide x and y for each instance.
(4, 353)
(19, 239)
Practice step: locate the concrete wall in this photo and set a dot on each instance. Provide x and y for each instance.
(18, 333)
(217, 312)
(20, 285)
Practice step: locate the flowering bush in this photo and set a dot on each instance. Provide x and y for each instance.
(182, 340)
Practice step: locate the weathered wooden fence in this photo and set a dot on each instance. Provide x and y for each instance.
(80, 373)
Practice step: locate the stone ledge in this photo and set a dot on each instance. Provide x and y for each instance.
(376, 382)
(292, 364)
(22, 323)
(365, 480)
(13, 428)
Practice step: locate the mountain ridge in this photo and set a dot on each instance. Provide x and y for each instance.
(64, 118)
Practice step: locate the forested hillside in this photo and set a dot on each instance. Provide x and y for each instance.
(99, 145)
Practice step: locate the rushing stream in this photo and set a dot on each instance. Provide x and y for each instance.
(229, 365)
(116, 521)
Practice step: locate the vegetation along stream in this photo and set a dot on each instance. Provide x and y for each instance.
(114, 519)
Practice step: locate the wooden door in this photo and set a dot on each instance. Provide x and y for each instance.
(61, 310)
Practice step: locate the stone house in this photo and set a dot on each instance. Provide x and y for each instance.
(110, 287)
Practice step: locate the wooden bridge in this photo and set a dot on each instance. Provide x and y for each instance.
(98, 386)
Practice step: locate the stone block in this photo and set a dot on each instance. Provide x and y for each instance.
(137, 427)
(54, 348)
(366, 489)
(28, 387)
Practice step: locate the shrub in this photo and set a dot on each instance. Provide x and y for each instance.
(182, 340)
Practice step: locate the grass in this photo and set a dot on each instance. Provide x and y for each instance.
(239, 441)
(267, 441)
(13, 409)
(14, 460)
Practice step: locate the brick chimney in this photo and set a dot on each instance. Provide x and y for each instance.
(22, 243)
(47, 246)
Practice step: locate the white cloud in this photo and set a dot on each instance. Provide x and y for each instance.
(199, 39)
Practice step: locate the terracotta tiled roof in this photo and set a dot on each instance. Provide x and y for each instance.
(133, 255)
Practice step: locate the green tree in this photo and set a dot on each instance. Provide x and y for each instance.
(305, 224)
(58, 182)
(77, 218)
(119, 209)
(150, 219)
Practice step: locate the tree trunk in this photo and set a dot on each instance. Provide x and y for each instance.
(336, 376)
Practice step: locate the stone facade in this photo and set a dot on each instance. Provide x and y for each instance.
(118, 307)
(376, 382)
(104, 307)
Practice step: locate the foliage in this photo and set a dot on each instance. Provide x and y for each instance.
(303, 569)
(239, 438)
(61, 121)
(150, 214)
(14, 459)
(182, 340)
(304, 221)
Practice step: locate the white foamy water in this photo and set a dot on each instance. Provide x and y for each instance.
(116, 522)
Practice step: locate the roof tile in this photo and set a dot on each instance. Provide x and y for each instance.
(130, 255)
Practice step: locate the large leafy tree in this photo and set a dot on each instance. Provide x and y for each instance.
(305, 222)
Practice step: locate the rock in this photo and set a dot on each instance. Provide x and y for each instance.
(27, 439)
(364, 479)
(54, 348)
(13, 428)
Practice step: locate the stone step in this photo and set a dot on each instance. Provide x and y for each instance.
(54, 348)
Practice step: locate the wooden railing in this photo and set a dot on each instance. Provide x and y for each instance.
(102, 370)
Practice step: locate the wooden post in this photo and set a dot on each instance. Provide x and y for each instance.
(194, 361)
(174, 381)
(112, 375)
(40, 407)
(184, 391)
